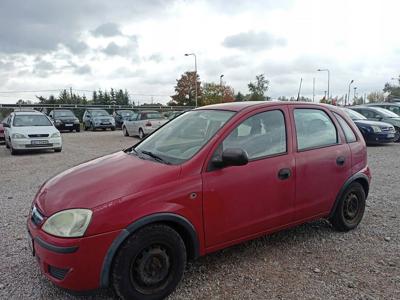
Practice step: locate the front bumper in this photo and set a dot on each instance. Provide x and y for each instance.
(71, 263)
(382, 137)
(26, 144)
(104, 125)
(67, 126)
(2, 137)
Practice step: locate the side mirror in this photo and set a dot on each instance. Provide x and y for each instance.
(6, 125)
(232, 157)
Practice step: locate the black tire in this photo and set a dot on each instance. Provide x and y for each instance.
(350, 209)
(150, 264)
(125, 131)
(13, 151)
(397, 134)
(57, 149)
(112, 128)
(92, 128)
(7, 145)
(78, 129)
(141, 134)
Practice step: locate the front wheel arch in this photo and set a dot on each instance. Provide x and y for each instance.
(180, 224)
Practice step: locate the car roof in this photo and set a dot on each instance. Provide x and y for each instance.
(238, 106)
(148, 111)
(384, 103)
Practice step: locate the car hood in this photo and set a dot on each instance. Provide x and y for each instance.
(102, 180)
(372, 123)
(66, 118)
(34, 130)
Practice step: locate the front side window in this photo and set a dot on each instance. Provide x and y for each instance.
(348, 132)
(314, 129)
(395, 109)
(261, 135)
(31, 120)
(181, 138)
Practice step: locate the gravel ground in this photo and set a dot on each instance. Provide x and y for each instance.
(308, 262)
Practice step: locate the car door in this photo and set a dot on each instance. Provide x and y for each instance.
(7, 129)
(243, 201)
(323, 161)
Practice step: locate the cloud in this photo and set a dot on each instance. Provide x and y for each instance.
(83, 70)
(77, 47)
(107, 30)
(253, 41)
(127, 50)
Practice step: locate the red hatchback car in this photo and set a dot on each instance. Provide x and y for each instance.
(211, 178)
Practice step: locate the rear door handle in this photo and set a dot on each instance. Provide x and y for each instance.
(284, 173)
(340, 160)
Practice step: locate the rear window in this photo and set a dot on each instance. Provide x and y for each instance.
(348, 132)
(314, 129)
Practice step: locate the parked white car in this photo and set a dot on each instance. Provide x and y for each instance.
(143, 123)
(29, 130)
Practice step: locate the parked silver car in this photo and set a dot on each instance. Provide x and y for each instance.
(143, 123)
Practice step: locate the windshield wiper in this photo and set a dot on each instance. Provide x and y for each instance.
(155, 156)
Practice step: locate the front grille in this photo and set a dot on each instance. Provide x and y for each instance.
(37, 135)
(57, 273)
(36, 216)
(38, 145)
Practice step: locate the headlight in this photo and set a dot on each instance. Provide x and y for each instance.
(76, 121)
(376, 128)
(112, 121)
(55, 135)
(58, 121)
(18, 136)
(68, 223)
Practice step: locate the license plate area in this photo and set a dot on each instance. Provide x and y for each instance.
(39, 142)
(390, 135)
(69, 125)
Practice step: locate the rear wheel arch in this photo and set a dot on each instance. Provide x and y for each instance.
(180, 224)
(358, 177)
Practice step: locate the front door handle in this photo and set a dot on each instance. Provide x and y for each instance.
(340, 160)
(284, 173)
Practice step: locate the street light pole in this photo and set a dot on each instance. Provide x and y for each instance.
(195, 75)
(351, 82)
(354, 96)
(329, 78)
(220, 86)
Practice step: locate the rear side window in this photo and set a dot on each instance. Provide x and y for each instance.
(348, 132)
(261, 135)
(314, 129)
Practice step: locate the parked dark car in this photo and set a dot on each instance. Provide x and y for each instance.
(374, 132)
(131, 220)
(98, 118)
(393, 107)
(2, 131)
(65, 119)
(381, 115)
(122, 115)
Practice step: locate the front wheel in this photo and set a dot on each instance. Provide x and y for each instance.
(57, 149)
(141, 134)
(150, 264)
(112, 128)
(125, 131)
(397, 134)
(350, 209)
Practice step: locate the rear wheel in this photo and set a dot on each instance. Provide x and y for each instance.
(150, 264)
(141, 134)
(350, 209)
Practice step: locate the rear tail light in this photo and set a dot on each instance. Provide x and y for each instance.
(148, 124)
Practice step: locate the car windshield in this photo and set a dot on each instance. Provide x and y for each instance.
(386, 113)
(31, 120)
(99, 113)
(180, 139)
(354, 115)
(63, 113)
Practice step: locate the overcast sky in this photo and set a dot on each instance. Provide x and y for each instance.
(140, 45)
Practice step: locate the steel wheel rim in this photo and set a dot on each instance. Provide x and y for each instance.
(351, 207)
(151, 268)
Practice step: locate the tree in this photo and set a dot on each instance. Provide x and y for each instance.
(239, 97)
(394, 91)
(375, 97)
(258, 88)
(213, 93)
(185, 90)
